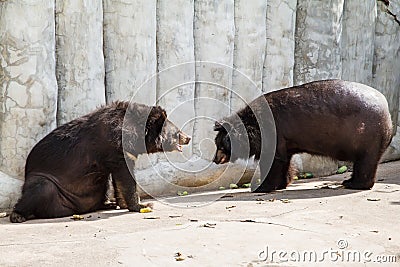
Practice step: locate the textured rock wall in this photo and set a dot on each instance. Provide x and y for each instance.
(386, 74)
(214, 33)
(130, 49)
(279, 51)
(28, 87)
(358, 40)
(80, 61)
(318, 40)
(249, 51)
(175, 58)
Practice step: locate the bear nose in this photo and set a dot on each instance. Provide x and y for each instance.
(184, 139)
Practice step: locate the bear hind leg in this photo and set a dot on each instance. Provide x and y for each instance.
(40, 199)
(278, 177)
(364, 172)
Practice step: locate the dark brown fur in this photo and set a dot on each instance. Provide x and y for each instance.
(67, 172)
(342, 120)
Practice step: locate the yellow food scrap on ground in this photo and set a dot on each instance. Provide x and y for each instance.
(77, 217)
(145, 210)
(233, 186)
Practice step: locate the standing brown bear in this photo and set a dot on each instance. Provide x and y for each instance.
(67, 172)
(344, 120)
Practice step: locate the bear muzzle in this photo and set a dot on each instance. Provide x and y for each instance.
(183, 139)
(220, 157)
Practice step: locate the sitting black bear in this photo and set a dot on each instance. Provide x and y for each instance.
(344, 120)
(67, 172)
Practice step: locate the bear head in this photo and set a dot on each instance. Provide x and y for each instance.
(147, 130)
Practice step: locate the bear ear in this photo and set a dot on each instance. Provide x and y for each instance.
(157, 116)
(222, 126)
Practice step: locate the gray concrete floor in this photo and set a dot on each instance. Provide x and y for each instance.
(309, 220)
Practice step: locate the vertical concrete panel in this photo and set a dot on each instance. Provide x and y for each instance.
(80, 61)
(358, 40)
(249, 52)
(175, 54)
(130, 50)
(28, 87)
(318, 40)
(386, 77)
(214, 41)
(279, 56)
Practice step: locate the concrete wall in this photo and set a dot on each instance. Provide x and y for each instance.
(28, 86)
(80, 60)
(59, 60)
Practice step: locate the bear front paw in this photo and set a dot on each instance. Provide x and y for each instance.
(17, 218)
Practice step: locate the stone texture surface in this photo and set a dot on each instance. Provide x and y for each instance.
(249, 51)
(176, 67)
(386, 67)
(130, 50)
(214, 42)
(9, 191)
(28, 87)
(318, 40)
(358, 40)
(279, 51)
(80, 61)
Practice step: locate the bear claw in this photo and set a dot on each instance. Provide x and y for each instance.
(350, 184)
(17, 218)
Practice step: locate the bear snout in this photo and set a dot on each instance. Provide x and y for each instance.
(184, 139)
(220, 157)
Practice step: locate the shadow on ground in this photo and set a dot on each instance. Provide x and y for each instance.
(317, 188)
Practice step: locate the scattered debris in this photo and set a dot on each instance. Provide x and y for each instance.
(145, 210)
(184, 193)
(285, 200)
(193, 220)
(3, 214)
(179, 257)
(233, 186)
(175, 216)
(374, 231)
(260, 199)
(208, 225)
(230, 207)
(225, 196)
(295, 177)
(331, 186)
(306, 175)
(76, 217)
(152, 218)
(221, 188)
(190, 256)
(248, 185)
(88, 217)
(271, 199)
(342, 169)
(373, 199)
